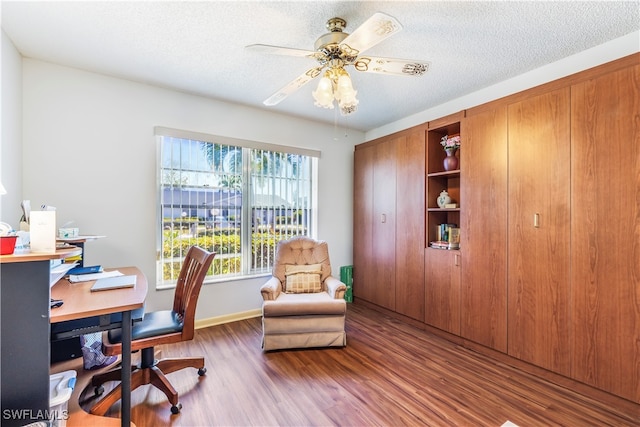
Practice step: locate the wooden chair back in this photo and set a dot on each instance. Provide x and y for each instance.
(192, 274)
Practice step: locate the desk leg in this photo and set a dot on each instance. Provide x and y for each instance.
(126, 369)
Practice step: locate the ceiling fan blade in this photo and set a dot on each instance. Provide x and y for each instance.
(296, 84)
(279, 50)
(393, 66)
(372, 31)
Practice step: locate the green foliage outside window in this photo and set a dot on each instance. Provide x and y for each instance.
(263, 247)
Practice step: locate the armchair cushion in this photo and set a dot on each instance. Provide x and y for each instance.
(304, 304)
(303, 278)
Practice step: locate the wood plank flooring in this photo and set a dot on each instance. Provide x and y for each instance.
(390, 374)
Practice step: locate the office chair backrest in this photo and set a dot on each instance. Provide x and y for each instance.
(192, 274)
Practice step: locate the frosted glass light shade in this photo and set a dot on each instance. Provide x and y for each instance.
(324, 94)
(346, 95)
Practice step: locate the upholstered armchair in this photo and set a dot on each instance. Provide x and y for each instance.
(303, 304)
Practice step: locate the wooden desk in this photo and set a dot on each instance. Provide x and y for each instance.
(80, 302)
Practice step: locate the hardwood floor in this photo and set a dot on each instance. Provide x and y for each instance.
(389, 374)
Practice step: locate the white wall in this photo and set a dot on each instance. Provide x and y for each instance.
(11, 147)
(589, 58)
(90, 151)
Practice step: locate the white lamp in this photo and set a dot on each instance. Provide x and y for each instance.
(336, 84)
(324, 93)
(346, 95)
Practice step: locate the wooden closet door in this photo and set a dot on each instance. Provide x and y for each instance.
(442, 290)
(483, 219)
(605, 238)
(384, 225)
(410, 174)
(538, 230)
(363, 223)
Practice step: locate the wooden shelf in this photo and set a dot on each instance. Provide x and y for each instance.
(438, 179)
(28, 256)
(445, 174)
(431, 248)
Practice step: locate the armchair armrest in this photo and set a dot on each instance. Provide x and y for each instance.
(271, 289)
(335, 287)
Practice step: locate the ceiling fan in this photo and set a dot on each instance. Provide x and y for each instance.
(336, 50)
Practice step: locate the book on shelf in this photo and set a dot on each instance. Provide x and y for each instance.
(447, 237)
(454, 235)
(441, 244)
(442, 231)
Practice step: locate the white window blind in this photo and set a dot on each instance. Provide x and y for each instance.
(236, 198)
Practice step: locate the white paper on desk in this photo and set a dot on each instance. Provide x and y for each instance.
(114, 283)
(74, 278)
(43, 231)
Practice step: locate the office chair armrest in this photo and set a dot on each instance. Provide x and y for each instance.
(335, 287)
(271, 289)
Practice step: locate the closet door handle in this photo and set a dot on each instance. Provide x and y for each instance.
(383, 218)
(536, 220)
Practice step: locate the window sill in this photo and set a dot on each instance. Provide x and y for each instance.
(219, 280)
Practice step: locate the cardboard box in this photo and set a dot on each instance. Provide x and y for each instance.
(66, 233)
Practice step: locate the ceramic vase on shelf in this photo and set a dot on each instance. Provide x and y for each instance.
(443, 199)
(451, 161)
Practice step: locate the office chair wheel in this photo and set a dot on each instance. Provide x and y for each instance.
(176, 408)
(98, 391)
(202, 371)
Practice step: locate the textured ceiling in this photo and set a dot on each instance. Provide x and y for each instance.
(199, 47)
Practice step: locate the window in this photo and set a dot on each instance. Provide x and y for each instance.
(236, 198)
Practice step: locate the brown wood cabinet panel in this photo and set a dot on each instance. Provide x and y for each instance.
(375, 223)
(442, 290)
(605, 238)
(363, 224)
(384, 225)
(410, 224)
(484, 229)
(538, 230)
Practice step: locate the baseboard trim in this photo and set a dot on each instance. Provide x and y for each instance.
(234, 317)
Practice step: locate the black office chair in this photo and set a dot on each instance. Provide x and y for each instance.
(156, 328)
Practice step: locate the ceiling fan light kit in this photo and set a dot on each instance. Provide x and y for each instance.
(336, 50)
(336, 84)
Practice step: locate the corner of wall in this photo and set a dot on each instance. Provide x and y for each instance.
(11, 146)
